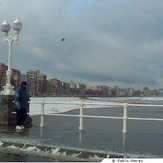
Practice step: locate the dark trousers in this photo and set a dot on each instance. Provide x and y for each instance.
(21, 116)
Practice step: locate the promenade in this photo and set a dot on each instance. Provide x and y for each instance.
(60, 139)
(59, 136)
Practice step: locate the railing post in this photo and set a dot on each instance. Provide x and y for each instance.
(81, 116)
(124, 118)
(42, 113)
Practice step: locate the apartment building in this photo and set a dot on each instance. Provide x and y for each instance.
(116, 91)
(23, 77)
(130, 91)
(15, 78)
(77, 89)
(102, 90)
(53, 87)
(37, 83)
(149, 92)
(82, 89)
(3, 69)
(65, 89)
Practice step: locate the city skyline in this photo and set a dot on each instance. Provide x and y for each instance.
(24, 77)
(107, 42)
(40, 85)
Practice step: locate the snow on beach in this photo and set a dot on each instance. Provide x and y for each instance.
(54, 107)
(62, 104)
(65, 104)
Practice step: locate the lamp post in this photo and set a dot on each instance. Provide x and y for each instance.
(5, 27)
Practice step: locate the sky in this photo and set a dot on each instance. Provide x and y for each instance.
(107, 42)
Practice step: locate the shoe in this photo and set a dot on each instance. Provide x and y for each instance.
(19, 128)
(22, 126)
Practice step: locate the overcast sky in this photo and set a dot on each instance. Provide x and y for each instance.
(108, 42)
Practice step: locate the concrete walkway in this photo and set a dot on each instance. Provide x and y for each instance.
(100, 136)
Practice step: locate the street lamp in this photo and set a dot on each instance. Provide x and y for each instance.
(5, 27)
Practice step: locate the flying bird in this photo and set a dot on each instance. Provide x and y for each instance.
(63, 39)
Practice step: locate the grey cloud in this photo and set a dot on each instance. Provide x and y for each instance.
(106, 40)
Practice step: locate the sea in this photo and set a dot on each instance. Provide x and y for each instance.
(60, 139)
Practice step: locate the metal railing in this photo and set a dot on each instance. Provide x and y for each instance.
(81, 115)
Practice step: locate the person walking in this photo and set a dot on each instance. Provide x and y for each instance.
(21, 105)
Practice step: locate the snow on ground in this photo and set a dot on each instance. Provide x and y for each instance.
(53, 108)
(65, 104)
(61, 104)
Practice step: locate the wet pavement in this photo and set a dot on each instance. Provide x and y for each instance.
(59, 133)
(104, 136)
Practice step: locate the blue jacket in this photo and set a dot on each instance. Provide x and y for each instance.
(21, 98)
